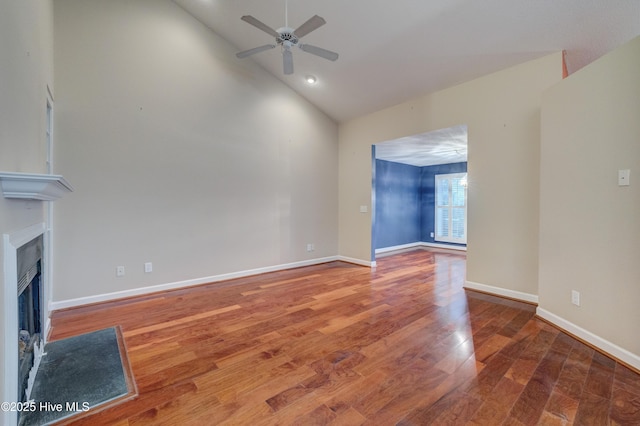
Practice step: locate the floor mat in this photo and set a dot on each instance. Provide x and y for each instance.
(78, 374)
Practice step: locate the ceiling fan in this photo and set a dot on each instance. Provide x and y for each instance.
(287, 38)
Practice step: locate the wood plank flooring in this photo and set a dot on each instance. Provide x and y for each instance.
(339, 344)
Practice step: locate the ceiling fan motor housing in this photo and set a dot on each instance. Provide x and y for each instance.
(286, 37)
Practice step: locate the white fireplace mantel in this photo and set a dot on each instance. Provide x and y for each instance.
(31, 186)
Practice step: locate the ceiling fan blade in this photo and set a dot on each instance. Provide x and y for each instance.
(312, 23)
(287, 61)
(259, 49)
(260, 25)
(318, 51)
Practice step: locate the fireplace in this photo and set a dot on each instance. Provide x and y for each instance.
(25, 312)
(27, 284)
(30, 343)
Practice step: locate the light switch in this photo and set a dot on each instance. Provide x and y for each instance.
(364, 209)
(623, 177)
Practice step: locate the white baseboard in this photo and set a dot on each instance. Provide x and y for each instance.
(604, 345)
(70, 303)
(357, 261)
(399, 247)
(444, 246)
(419, 244)
(504, 292)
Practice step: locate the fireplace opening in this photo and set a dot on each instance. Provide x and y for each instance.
(29, 314)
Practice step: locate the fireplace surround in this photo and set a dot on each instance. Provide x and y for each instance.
(23, 267)
(29, 261)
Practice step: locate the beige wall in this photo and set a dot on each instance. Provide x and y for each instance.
(180, 154)
(502, 111)
(589, 226)
(26, 68)
(202, 164)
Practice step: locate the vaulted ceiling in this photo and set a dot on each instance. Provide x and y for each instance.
(392, 51)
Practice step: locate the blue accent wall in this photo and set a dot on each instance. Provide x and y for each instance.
(404, 198)
(397, 203)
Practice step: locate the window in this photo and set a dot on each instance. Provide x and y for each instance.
(451, 208)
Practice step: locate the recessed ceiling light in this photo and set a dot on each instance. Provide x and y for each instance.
(311, 79)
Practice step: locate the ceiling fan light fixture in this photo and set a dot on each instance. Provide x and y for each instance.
(311, 79)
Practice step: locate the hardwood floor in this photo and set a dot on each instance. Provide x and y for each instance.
(342, 344)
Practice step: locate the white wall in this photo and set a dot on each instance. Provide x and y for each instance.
(180, 154)
(502, 111)
(589, 226)
(26, 68)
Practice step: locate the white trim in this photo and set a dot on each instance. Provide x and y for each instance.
(449, 238)
(70, 303)
(504, 292)
(597, 341)
(47, 325)
(34, 186)
(445, 246)
(420, 244)
(47, 289)
(355, 261)
(12, 242)
(398, 247)
(23, 236)
(47, 273)
(38, 353)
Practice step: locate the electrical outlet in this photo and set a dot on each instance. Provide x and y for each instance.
(310, 247)
(575, 297)
(120, 271)
(623, 177)
(148, 267)
(432, 235)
